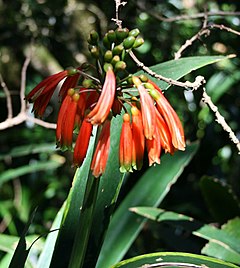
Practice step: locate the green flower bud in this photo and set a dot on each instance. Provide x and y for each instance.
(128, 42)
(108, 56)
(106, 42)
(93, 38)
(121, 33)
(134, 32)
(95, 51)
(72, 71)
(111, 36)
(107, 66)
(115, 59)
(138, 42)
(129, 80)
(149, 86)
(117, 50)
(143, 77)
(120, 66)
(87, 83)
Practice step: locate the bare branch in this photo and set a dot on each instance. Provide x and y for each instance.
(8, 97)
(187, 17)
(22, 116)
(205, 31)
(23, 82)
(220, 119)
(117, 20)
(199, 80)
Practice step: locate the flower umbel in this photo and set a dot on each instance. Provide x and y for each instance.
(94, 95)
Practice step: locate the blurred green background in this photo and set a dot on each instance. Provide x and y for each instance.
(34, 174)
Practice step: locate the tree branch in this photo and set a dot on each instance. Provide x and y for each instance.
(199, 80)
(220, 119)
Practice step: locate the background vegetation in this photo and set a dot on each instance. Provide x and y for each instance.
(34, 174)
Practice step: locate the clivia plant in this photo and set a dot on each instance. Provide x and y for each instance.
(114, 122)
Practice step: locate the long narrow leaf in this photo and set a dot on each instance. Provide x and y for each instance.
(173, 259)
(149, 191)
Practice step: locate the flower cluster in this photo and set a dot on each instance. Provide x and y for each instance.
(149, 122)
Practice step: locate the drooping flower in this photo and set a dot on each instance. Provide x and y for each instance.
(154, 148)
(101, 111)
(149, 125)
(82, 142)
(166, 139)
(43, 92)
(138, 139)
(147, 108)
(170, 117)
(100, 156)
(66, 119)
(125, 145)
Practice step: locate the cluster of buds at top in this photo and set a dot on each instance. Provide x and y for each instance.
(93, 95)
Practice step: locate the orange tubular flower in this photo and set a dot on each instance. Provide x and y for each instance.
(147, 108)
(43, 92)
(125, 147)
(66, 119)
(100, 157)
(170, 117)
(137, 138)
(82, 143)
(101, 110)
(154, 149)
(166, 139)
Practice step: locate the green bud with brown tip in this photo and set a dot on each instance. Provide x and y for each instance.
(134, 32)
(107, 67)
(121, 33)
(120, 66)
(117, 50)
(87, 83)
(106, 42)
(138, 42)
(108, 56)
(115, 59)
(93, 38)
(95, 51)
(143, 78)
(111, 36)
(71, 71)
(128, 42)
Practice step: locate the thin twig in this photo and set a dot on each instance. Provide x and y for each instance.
(8, 97)
(117, 20)
(199, 80)
(220, 119)
(22, 116)
(204, 31)
(187, 17)
(23, 82)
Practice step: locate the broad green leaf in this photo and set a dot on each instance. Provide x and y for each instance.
(46, 254)
(29, 149)
(172, 260)
(220, 199)
(225, 251)
(150, 190)
(223, 243)
(176, 69)
(53, 163)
